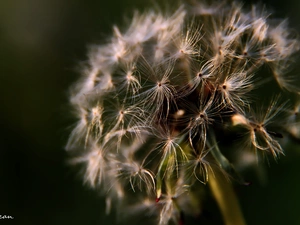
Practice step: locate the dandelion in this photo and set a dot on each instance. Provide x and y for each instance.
(162, 104)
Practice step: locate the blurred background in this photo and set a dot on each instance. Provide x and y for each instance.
(42, 43)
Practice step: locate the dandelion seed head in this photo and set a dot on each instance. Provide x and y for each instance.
(160, 102)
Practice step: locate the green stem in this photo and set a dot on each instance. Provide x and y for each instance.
(223, 192)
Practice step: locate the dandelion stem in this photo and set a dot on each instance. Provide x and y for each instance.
(223, 192)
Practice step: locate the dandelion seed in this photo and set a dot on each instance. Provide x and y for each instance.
(258, 17)
(261, 138)
(80, 130)
(96, 125)
(200, 166)
(187, 45)
(201, 119)
(96, 164)
(234, 89)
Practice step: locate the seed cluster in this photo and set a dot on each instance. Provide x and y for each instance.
(158, 104)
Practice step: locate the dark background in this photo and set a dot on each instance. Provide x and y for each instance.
(42, 42)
